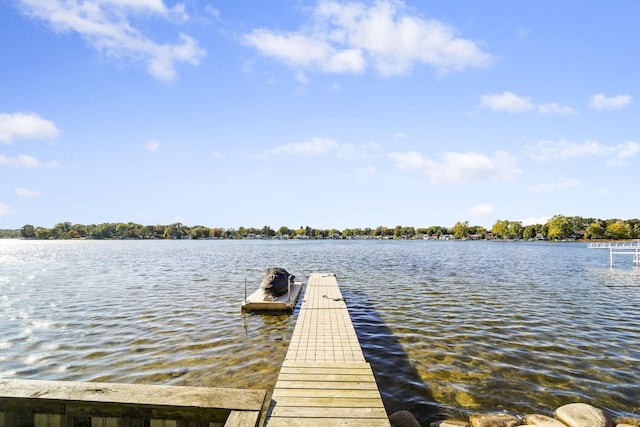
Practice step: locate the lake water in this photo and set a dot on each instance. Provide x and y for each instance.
(450, 328)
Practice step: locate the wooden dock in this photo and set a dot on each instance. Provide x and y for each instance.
(325, 379)
(70, 404)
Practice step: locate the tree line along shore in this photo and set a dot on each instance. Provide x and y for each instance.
(559, 227)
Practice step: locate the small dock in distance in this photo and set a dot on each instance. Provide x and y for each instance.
(325, 379)
(619, 248)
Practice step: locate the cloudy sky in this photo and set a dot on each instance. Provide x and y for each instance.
(329, 114)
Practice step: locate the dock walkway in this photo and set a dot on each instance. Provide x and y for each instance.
(325, 380)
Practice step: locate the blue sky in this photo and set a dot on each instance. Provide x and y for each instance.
(326, 114)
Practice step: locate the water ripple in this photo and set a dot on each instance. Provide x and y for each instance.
(449, 327)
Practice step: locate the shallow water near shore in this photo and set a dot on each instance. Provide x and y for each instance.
(450, 328)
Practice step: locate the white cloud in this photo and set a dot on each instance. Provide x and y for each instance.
(601, 102)
(26, 192)
(324, 146)
(152, 145)
(362, 173)
(302, 78)
(335, 88)
(107, 25)
(461, 168)
(483, 210)
(545, 151)
(212, 11)
(22, 161)
(6, 210)
(155, 6)
(627, 149)
(507, 101)
(547, 187)
(555, 108)
(353, 37)
(25, 126)
(311, 147)
(511, 103)
(302, 51)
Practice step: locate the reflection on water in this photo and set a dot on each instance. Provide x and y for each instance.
(449, 327)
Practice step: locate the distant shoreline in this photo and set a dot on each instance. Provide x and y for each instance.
(559, 227)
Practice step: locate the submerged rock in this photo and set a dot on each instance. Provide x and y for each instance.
(627, 421)
(403, 419)
(450, 423)
(581, 415)
(494, 420)
(543, 421)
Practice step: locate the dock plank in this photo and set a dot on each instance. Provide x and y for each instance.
(325, 379)
(327, 422)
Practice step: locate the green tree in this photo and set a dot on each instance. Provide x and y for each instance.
(199, 232)
(147, 232)
(43, 233)
(481, 232)
(285, 231)
(436, 231)
(500, 229)
(515, 230)
(461, 230)
(618, 230)
(122, 230)
(595, 230)
(217, 233)
(530, 232)
(408, 232)
(79, 229)
(560, 227)
(28, 232)
(267, 231)
(61, 230)
(104, 231)
(175, 231)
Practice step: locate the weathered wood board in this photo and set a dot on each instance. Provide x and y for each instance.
(121, 401)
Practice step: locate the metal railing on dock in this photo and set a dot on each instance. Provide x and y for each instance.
(33, 403)
(620, 248)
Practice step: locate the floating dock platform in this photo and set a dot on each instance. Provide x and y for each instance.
(260, 301)
(325, 379)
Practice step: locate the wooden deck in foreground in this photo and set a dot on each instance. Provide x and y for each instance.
(325, 380)
(34, 403)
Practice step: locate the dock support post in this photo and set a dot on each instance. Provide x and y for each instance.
(611, 255)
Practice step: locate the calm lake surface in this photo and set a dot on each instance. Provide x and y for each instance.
(450, 328)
